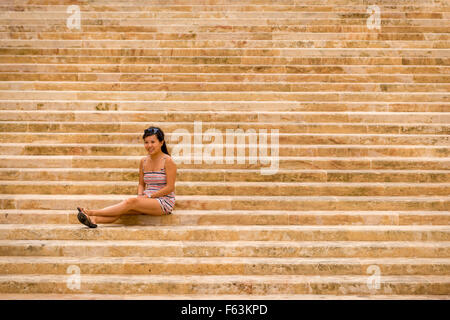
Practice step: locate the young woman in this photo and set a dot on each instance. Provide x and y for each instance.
(156, 190)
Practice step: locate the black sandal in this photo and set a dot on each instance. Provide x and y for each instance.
(84, 219)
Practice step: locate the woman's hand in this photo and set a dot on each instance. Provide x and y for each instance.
(143, 195)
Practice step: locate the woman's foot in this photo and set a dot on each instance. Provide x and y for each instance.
(89, 214)
(84, 218)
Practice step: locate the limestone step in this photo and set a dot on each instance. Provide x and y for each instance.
(423, 31)
(225, 12)
(237, 95)
(228, 17)
(222, 266)
(284, 127)
(226, 284)
(219, 14)
(211, 64)
(166, 71)
(294, 86)
(306, 163)
(237, 188)
(225, 86)
(225, 248)
(297, 86)
(71, 296)
(97, 33)
(285, 150)
(284, 138)
(350, 33)
(208, 202)
(226, 175)
(230, 3)
(256, 106)
(246, 7)
(228, 233)
(228, 116)
(216, 77)
(241, 217)
(415, 9)
(230, 22)
(222, 52)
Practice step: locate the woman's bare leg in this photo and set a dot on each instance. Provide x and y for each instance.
(100, 219)
(111, 211)
(139, 205)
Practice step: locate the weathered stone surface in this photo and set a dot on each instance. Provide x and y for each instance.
(363, 164)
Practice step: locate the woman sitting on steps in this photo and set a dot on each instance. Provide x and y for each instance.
(155, 191)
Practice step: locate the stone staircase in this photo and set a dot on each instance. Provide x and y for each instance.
(359, 207)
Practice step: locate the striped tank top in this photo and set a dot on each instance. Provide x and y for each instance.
(156, 180)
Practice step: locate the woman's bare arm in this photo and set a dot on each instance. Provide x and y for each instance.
(141, 185)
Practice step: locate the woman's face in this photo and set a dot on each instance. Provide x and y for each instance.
(152, 144)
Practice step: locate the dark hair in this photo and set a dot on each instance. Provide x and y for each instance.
(159, 134)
